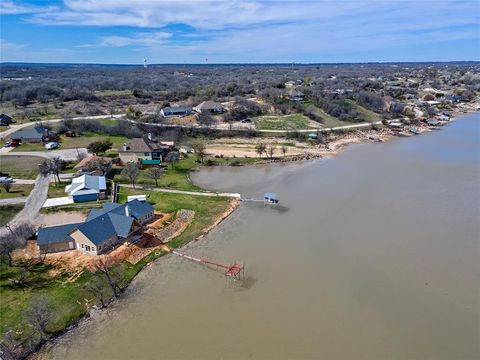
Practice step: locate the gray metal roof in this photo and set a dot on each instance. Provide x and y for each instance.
(32, 133)
(106, 226)
(136, 208)
(55, 234)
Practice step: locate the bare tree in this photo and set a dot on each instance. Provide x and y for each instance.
(104, 166)
(284, 150)
(172, 157)
(260, 148)
(52, 166)
(104, 264)
(200, 148)
(15, 238)
(271, 150)
(131, 172)
(97, 287)
(39, 314)
(155, 173)
(7, 186)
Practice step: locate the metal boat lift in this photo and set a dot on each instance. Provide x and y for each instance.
(236, 271)
(269, 198)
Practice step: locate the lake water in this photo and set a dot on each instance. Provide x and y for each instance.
(373, 254)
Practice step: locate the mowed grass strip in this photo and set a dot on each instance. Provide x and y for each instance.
(286, 122)
(7, 213)
(17, 190)
(20, 166)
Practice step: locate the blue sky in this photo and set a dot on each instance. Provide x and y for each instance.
(239, 31)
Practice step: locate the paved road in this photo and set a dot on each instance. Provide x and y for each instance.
(13, 201)
(34, 202)
(14, 128)
(65, 154)
(172, 191)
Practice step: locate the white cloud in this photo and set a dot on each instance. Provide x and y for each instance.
(8, 7)
(6, 46)
(138, 39)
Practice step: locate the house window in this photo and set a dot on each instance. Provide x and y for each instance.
(88, 247)
(83, 246)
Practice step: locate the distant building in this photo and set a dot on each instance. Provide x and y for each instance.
(6, 120)
(103, 229)
(34, 135)
(176, 111)
(295, 95)
(208, 107)
(87, 188)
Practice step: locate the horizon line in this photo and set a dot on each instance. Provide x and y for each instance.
(239, 63)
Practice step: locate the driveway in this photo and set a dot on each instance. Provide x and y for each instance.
(57, 202)
(13, 201)
(64, 154)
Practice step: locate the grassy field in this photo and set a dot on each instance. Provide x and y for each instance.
(367, 115)
(22, 167)
(76, 142)
(70, 299)
(174, 177)
(286, 122)
(328, 120)
(7, 213)
(57, 190)
(17, 190)
(106, 93)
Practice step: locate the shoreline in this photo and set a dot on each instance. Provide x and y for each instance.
(334, 148)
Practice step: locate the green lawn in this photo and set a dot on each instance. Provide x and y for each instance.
(7, 213)
(57, 190)
(21, 167)
(81, 141)
(174, 177)
(366, 115)
(286, 122)
(17, 190)
(328, 120)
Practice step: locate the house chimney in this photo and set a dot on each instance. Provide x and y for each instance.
(127, 211)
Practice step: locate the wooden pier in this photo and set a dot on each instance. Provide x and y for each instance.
(236, 271)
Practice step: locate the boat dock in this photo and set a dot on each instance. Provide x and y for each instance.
(236, 271)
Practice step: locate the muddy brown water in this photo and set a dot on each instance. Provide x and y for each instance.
(373, 254)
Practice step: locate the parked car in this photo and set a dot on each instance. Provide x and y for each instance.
(52, 145)
(8, 144)
(6, 180)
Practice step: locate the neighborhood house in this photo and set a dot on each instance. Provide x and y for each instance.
(5, 120)
(37, 134)
(176, 111)
(85, 165)
(208, 107)
(145, 151)
(87, 188)
(103, 229)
